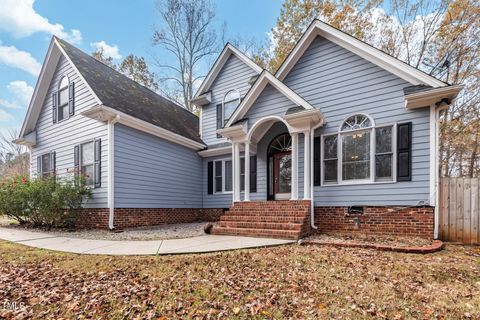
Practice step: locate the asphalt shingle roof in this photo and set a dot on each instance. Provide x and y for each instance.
(125, 95)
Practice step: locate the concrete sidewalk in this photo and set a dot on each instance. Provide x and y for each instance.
(201, 244)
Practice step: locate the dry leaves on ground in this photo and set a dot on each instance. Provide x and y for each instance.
(290, 282)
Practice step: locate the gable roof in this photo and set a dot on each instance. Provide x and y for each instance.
(257, 88)
(112, 89)
(227, 51)
(364, 50)
(121, 93)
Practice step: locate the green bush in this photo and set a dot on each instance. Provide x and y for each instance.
(44, 202)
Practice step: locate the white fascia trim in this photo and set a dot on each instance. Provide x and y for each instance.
(215, 152)
(374, 55)
(47, 67)
(202, 100)
(220, 62)
(430, 97)
(30, 140)
(78, 72)
(254, 92)
(141, 125)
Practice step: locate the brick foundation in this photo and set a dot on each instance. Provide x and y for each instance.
(399, 221)
(140, 217)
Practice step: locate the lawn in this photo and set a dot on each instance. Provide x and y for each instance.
(284, 282)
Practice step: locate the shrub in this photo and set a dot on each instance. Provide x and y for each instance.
(48, 202)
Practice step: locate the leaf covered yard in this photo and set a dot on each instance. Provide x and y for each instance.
(289, 282)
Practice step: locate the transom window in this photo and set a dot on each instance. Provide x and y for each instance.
(63, 97)
(358, 121)
(231, 100)
(282, 143)
(359, 152)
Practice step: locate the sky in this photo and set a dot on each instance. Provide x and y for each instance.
(120, 27)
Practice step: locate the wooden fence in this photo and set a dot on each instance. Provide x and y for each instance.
(459, 210)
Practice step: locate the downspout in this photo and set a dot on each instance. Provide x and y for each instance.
(111, 154)
(312, 199)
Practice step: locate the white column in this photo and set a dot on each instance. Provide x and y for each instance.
(294, 166)
(247, 172)
(236, 170)
(306, 166)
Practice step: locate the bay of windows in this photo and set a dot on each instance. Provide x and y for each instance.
(359, 152)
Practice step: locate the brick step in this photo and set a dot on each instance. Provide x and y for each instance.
(269, 207)
(264, 218)
(276, 212)
(261, 225)
(259, 233)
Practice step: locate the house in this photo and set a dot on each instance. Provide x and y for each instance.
(343, 138)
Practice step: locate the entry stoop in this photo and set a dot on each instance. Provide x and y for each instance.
(286, 219)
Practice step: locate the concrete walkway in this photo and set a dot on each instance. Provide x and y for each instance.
(201, 244)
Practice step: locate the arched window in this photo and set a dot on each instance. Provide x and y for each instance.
(282, 143)
(231, 100)
(63, 97)
(358, 121)
(359, 152)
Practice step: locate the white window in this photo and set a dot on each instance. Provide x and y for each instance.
(359, 152)
(223, 175)
(231, 100)
(87, 162)
(63, 97)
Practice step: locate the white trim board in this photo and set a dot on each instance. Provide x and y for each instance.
(105, 113)
(228, 50)
(257, 88)
(372, 54)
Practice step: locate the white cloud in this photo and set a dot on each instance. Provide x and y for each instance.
(12, 57)
(5, 116)
(22, 93)
(108, 50)
(20, 19)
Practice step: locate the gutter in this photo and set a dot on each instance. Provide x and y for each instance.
(312, 199)
(111, 154)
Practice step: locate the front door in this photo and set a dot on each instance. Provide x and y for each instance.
(282, 171)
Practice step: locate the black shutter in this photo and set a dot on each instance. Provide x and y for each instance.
(253, 174)
(316, 161)
(404, 152)
(39, 166)
(210, 177)
(71, 98)
(76, 162)
(54, 107)
(219, 118)
(97, 165)
(52, 163)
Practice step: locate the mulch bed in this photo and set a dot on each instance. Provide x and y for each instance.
(377, 242)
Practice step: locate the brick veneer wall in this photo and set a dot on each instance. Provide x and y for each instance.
(139, 217)
(400, 221)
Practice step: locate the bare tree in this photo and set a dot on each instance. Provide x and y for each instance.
(14, 158)
(186, 31)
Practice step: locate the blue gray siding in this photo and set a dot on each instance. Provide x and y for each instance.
(270, 102)
(151, 172)
(234, 75)
(341, 83)
(62, 137)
